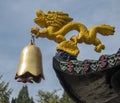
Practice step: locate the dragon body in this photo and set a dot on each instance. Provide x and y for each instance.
(57, 24)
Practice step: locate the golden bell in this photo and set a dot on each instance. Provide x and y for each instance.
(30, 65)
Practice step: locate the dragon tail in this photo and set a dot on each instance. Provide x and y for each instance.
(105, 30)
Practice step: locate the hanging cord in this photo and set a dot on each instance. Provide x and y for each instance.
(32, 39)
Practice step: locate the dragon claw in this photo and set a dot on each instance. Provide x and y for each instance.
(99, 48)
(34, 30)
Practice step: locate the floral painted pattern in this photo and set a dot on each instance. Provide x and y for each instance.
(86, 66)
(118, 54)
(102, 62)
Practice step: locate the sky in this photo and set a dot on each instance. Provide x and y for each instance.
(16, 20)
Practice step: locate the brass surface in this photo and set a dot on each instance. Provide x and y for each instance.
(30, 61)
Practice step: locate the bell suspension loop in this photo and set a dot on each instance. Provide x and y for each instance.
(32, 39)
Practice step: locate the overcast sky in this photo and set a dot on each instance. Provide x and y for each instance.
(16, 19)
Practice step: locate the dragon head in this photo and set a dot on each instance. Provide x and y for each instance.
(55, 19)
(40, 20)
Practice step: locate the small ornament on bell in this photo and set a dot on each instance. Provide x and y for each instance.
(30, 64)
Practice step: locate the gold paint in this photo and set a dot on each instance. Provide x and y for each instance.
(57, 24)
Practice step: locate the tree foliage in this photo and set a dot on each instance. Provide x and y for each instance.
(48, 97)
(66, 99)
(4, 92)
(23, 96)
(52, 97)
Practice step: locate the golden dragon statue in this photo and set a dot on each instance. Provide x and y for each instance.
(57, 24)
